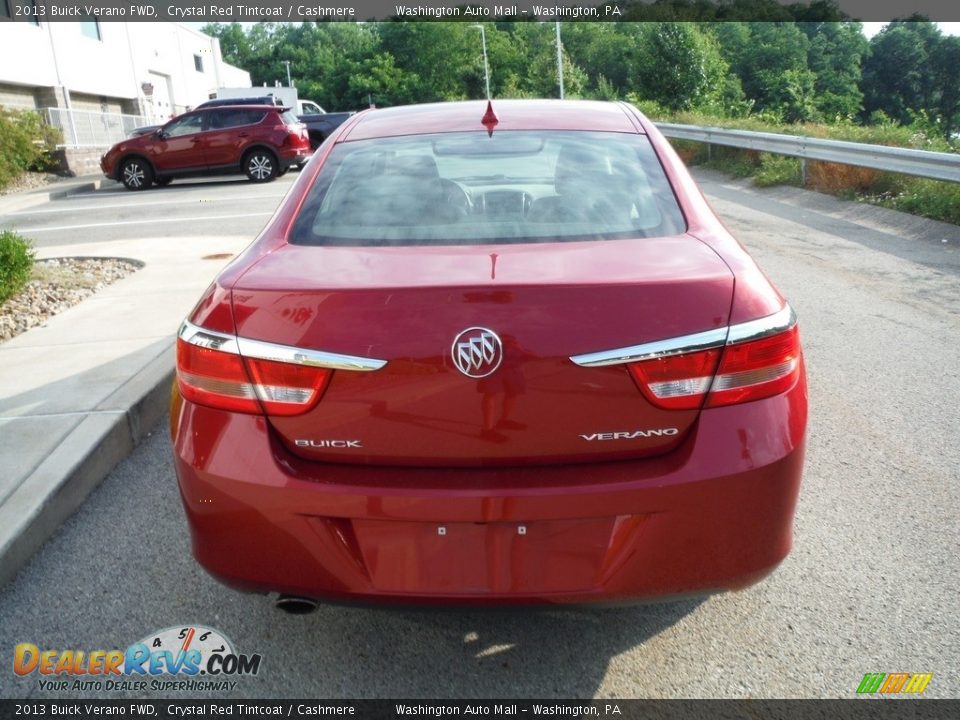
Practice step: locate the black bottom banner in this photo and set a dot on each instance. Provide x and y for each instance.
(861, 709)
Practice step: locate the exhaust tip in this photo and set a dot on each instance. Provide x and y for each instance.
(295, 605)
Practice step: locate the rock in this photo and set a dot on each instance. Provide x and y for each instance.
(63, 283)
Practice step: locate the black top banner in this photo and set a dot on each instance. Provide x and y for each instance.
(503, 709)
(480, 10)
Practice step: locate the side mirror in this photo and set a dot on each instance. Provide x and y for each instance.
(160, 134)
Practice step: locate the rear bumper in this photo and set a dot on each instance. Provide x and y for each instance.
(294, 156)
(716, 514)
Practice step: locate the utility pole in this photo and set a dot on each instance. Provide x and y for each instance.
(559, 60)
(287, 63)
(486, 67)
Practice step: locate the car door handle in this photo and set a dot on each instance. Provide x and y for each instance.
(243, 135)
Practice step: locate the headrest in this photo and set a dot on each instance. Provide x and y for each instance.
(415, 167)
(580, 169)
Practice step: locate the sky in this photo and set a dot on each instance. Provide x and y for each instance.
(948, 28)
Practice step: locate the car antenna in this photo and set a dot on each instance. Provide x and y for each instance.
(490, 118)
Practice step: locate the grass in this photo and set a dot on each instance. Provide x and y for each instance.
(927, 198)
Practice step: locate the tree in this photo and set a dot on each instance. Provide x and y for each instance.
(835, 56)
(679, 67)
(377, 79)
(945, 60)
(234, 43)
(898, 76)
(444, 56)
(770, 59)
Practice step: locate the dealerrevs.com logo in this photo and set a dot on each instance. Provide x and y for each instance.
(187, 658)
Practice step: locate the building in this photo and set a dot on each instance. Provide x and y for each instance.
(99, 80)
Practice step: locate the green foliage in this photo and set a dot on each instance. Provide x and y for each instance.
(733, 162)
(604, 90)
(678, 67)
(651, 108)
(26, 143)
(835, 56)
(927, 198)
(912, 68)
(778, 170)
(16, 262)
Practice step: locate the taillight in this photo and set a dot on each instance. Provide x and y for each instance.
(676, 382)
(286, 389)
(748, 370)
(213, 377)
(295, 135)
(757, 369)
(223, 371)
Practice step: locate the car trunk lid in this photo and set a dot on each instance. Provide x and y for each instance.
(545, 303)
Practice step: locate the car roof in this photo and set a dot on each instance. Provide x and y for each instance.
(252, 100)
(278, 108)
(511, 115)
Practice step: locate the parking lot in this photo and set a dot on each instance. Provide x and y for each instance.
(227, 206)
(871, 585)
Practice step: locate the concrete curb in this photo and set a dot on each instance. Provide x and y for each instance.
(60, 484)
(15, 202)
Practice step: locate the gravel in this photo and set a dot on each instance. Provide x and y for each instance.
(58, 284)
(31, 181)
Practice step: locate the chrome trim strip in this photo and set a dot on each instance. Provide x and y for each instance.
(195, 335)
(753, 330)
(270, 351)
(649, 351)
(313, 358)
(781, 320)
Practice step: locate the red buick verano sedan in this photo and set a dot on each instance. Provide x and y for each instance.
(491, 355)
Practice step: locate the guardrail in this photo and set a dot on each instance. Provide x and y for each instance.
(923, 163)
(82, 128)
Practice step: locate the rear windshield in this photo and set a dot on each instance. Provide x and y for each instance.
(289, 118)
(475, 189)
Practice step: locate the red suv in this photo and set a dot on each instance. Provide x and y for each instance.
(262, 141)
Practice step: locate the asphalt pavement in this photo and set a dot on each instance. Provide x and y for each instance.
(869, 587)
(220, 206)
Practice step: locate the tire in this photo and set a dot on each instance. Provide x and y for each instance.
(281, 173)
(163, 181)
(260, 165)
(136, 174)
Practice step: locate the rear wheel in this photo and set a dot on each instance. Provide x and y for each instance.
(136, 174)
(260, 165)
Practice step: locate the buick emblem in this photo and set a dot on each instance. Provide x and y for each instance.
(477, 352)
